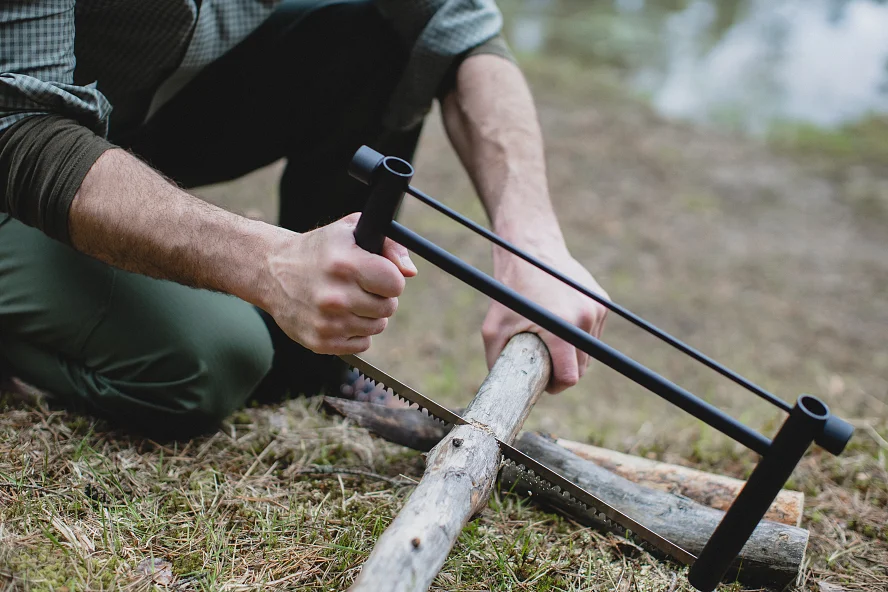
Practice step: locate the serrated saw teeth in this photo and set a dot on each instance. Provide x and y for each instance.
(529, 467)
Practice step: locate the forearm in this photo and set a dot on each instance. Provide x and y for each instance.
(127, 215)
(492, 123)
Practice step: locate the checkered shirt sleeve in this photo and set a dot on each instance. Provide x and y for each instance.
(37, 65)
(437, 31)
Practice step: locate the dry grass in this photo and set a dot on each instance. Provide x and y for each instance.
(283, 498)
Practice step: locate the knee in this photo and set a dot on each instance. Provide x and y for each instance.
(217, 376)
(199, 379)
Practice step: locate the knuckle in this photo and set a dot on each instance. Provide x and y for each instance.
(360, 344)
(342, 267)
(326, 331)
(489, 331)
(398, 283)
(333, 302)
(379, 326)
(390, 307)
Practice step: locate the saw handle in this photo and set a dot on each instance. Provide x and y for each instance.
(388, 178)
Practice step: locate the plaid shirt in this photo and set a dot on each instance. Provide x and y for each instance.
(129, 51)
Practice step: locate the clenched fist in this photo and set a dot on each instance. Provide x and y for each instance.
(329, 294)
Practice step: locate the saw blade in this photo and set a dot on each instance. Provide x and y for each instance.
(402, 391)
(525, 464)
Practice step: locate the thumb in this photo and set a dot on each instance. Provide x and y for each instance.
(398, 255)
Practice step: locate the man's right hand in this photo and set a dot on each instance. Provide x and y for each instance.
(322, 289)
(329, 294)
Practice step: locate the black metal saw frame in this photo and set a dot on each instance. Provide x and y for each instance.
(809, 420)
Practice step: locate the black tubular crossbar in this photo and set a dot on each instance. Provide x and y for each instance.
(808, 421)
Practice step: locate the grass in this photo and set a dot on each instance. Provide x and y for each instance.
(272, 501)
(861, 142)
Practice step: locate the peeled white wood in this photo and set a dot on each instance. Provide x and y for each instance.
(460, 474)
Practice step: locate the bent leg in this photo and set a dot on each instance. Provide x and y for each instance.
(311, 85)
(152, 355)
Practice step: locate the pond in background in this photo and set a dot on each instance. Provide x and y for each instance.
(746, 64)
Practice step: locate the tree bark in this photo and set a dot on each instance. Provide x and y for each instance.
(772, 556)
(715, 491)
(402, 426)
(460, 473)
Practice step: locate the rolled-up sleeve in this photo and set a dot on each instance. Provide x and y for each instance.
(437, 32)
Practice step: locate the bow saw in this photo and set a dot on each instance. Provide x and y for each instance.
(809, 420)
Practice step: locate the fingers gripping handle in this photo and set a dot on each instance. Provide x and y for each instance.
(388, 178)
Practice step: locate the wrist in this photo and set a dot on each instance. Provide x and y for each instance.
(272, 242)
(542, 241)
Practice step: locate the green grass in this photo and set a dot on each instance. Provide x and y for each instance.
(84, 508)
(862, 142)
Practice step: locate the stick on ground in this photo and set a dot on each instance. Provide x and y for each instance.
(417, 431)
(715, 491)
(460, 474)
(773, 555)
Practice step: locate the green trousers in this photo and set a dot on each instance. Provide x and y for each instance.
(170, 360)
(146, 353)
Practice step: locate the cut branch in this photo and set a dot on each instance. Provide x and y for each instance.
(460, 474)
(715, 491)
(772, 556)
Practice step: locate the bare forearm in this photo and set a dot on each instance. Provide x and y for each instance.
(492, 123)
(127, 215)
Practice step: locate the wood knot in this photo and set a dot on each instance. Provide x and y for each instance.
(415, 542)
(457, 442)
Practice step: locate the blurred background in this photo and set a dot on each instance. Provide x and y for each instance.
(721, 167)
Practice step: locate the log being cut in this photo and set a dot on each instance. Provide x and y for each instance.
(460, 474)
(420, 432)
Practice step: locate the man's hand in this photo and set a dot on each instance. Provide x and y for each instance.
(568, 363)
(331, 295)
(322, 289)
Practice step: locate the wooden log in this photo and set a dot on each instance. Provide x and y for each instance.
(460, 474)
(417, 431)
(773, 556)
(402, 426)
(715, 491)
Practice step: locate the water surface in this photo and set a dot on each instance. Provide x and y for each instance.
(746, 64)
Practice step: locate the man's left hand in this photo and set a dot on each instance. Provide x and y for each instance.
(568, 363)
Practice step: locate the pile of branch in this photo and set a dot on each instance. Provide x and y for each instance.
(682, 504)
